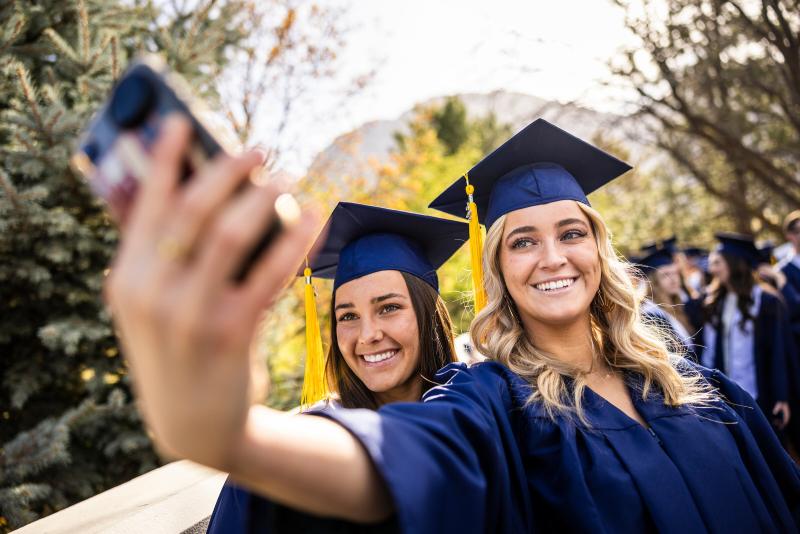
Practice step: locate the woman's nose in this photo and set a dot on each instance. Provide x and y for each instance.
(552, 255)
(370, 332)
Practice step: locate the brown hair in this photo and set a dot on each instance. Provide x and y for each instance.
(435, 346)
(742, 279)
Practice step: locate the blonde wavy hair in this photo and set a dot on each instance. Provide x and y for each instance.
(618, 332)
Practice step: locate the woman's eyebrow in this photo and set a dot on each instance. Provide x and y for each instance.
(567, 222)
(387, 296)
(521, 230)
(374, 300)
(528, 229)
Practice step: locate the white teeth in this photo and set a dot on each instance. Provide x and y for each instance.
(374, 358)
(554, 284)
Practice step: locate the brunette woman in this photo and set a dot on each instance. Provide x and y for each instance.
(390, 333)
(747, 333)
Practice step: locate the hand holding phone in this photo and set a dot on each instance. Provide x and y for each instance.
(185, 325)
(184, 306)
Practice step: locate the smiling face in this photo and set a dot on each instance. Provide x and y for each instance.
(550, 263)
(378, 335)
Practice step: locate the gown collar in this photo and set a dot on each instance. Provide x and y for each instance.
(603, 415)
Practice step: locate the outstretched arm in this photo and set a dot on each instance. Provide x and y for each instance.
(309, 463)
(186, 325)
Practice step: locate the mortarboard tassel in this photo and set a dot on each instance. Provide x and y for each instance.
(475, 249)
(314, 386)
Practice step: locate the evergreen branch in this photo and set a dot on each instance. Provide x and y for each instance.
(12, 37)
(52, 122)
(10, 191)
(30, 95)
(99, 50)
(114, 57)
(83, 30)
(29, 149)
(62, 45)
(198, 17)
(83, 87)
(15, 503)
(34, 450)
(50, 94)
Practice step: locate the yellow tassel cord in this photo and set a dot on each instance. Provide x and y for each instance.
(475, 249)
(314, 385)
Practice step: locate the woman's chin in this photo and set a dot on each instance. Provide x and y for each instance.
(559, 318)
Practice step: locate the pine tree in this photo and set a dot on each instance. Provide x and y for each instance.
(450, 123)
(68, 424)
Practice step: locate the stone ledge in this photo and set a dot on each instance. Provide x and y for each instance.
(172, 499)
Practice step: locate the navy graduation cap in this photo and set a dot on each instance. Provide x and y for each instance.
(695, 252)
(359, 240)
(670, 245)
(739, 245)
(654, 260)
(649, 247)
(539, 165)
(765, 252)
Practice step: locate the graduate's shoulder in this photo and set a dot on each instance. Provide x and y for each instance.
(772, 302)
(482, 381)
(726, 389)
(786, 263)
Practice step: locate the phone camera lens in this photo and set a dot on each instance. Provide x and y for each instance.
(132, 101)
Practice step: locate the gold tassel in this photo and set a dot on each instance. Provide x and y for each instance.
(475, 249)
(314, 384)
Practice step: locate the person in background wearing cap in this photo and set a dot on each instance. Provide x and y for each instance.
(746, 333)
(787, 279)
(670, 246)
(663, 303)
(390, 332)
(787, 272)
(582, 421)
(790, 266)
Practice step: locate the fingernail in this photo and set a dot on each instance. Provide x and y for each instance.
(262, 155)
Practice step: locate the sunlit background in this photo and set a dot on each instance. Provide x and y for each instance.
(383, 102)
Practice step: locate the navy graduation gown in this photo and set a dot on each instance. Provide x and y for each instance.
(240, 511)
(791, 295)
(474, 457)
(772, 351)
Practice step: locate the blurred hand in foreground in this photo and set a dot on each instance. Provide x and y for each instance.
(185, 324)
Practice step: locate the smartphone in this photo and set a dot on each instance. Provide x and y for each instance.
(113, 152)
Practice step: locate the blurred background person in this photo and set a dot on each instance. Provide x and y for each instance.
(746, 333)
(665, 299)
(787, 279)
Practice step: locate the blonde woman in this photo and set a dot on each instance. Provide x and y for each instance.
(582, 422)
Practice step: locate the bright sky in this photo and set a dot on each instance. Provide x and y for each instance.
(554, 49)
